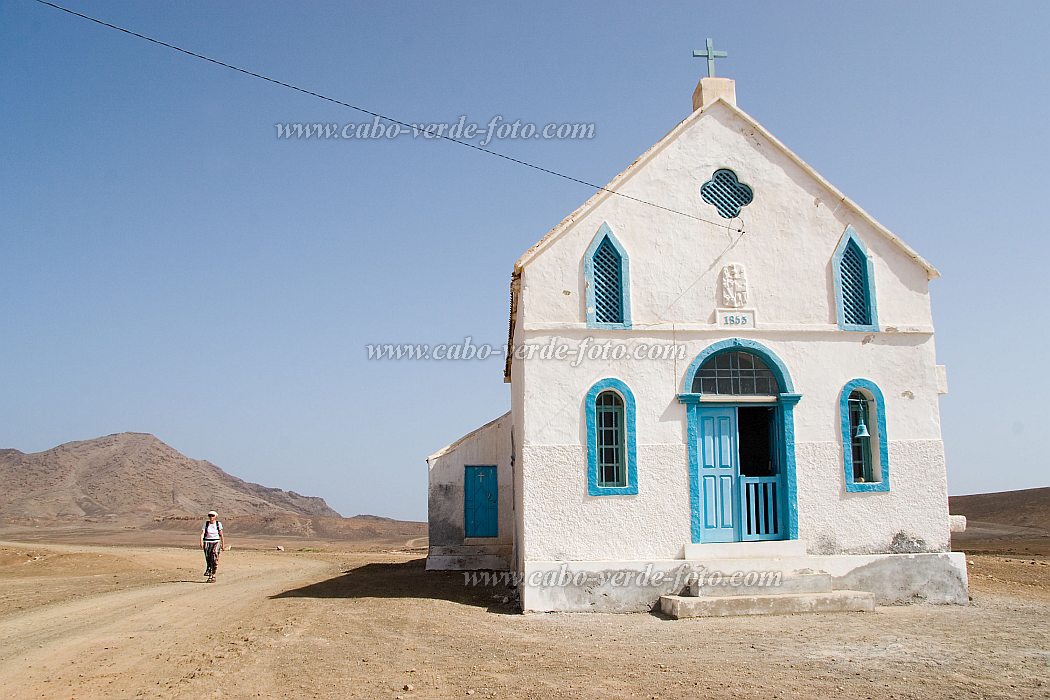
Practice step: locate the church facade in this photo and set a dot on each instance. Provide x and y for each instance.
(719, 362)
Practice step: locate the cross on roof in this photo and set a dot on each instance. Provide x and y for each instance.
(710, 55)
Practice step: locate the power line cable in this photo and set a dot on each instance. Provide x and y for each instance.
(369, 112)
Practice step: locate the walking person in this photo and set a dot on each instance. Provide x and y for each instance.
(212, 543)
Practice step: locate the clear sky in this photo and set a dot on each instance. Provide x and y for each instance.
(170, 266)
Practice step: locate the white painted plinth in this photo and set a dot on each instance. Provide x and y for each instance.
(636, 586)
(746, 550)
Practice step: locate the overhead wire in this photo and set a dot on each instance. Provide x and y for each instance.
(363, 110)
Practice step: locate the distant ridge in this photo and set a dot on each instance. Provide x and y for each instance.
(134, 475)
(1023, 508)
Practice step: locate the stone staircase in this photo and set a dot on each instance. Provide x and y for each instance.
(769, 592)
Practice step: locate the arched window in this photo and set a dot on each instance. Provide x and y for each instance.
(860, 438)
(736, 372)
(854, 285)
(853, 269)
(611, 468)
(864, 444)
(607, 281)
(611, 440)
(608, 297)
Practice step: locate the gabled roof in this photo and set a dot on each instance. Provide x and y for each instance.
(567, 223)
(448, 448)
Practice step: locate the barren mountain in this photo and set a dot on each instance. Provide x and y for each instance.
(1028, 508)
(1008, 522)
(134, 475)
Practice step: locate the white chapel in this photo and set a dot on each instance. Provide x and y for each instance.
(748, 383)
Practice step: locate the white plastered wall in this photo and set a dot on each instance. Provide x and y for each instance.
(792, 229)
(517, 411)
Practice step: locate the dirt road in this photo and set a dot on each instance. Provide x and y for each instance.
(146, 638)
(375, 625)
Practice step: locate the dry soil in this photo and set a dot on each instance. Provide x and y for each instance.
(84, 621)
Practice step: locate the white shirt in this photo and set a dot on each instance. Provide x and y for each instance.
(212, 530)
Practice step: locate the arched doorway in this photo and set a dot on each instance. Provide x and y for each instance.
(740, 406)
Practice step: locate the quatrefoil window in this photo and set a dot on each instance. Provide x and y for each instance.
(725, 191)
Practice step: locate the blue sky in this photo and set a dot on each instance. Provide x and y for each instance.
(170, 266)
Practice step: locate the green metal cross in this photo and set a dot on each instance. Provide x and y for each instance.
(710, 55)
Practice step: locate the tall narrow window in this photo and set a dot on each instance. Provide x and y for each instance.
(854, 284)
(609, 419)
(865, 454)
(607, 282)
(860, 438)
(608, 286)
(854, 271)
(611, 449)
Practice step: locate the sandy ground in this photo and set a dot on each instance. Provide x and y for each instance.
(81, 621)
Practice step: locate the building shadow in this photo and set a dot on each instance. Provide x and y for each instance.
(410, 579)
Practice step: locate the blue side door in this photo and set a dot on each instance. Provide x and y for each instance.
(480, 502)
(718, 463)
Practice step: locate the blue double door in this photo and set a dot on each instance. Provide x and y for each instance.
(736, 506)
(480, 502)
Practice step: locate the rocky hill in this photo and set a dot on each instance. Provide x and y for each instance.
(137, 476)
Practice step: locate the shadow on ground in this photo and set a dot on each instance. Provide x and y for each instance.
(185, 580)
(411, 580)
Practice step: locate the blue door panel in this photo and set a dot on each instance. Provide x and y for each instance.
(707, 440)
(726, 438)
(708, 496)
(718, 473)
(480, 502)
(726, 501)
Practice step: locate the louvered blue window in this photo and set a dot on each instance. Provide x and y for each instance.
(854, 285)
(607, 280)
(608, 297)
(854, 271)
(725, 191)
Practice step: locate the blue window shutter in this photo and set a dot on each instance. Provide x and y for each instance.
(725, 191)
(853, 275)
(854, 271)
(608, 284)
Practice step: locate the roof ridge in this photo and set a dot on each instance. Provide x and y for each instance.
(625, 174)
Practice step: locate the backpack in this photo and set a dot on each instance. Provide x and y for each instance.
(218, 528)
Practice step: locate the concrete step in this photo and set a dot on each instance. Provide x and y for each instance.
(775, 549)
(799, 583)
(679, 607)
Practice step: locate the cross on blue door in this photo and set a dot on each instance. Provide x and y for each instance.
(480, 502)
